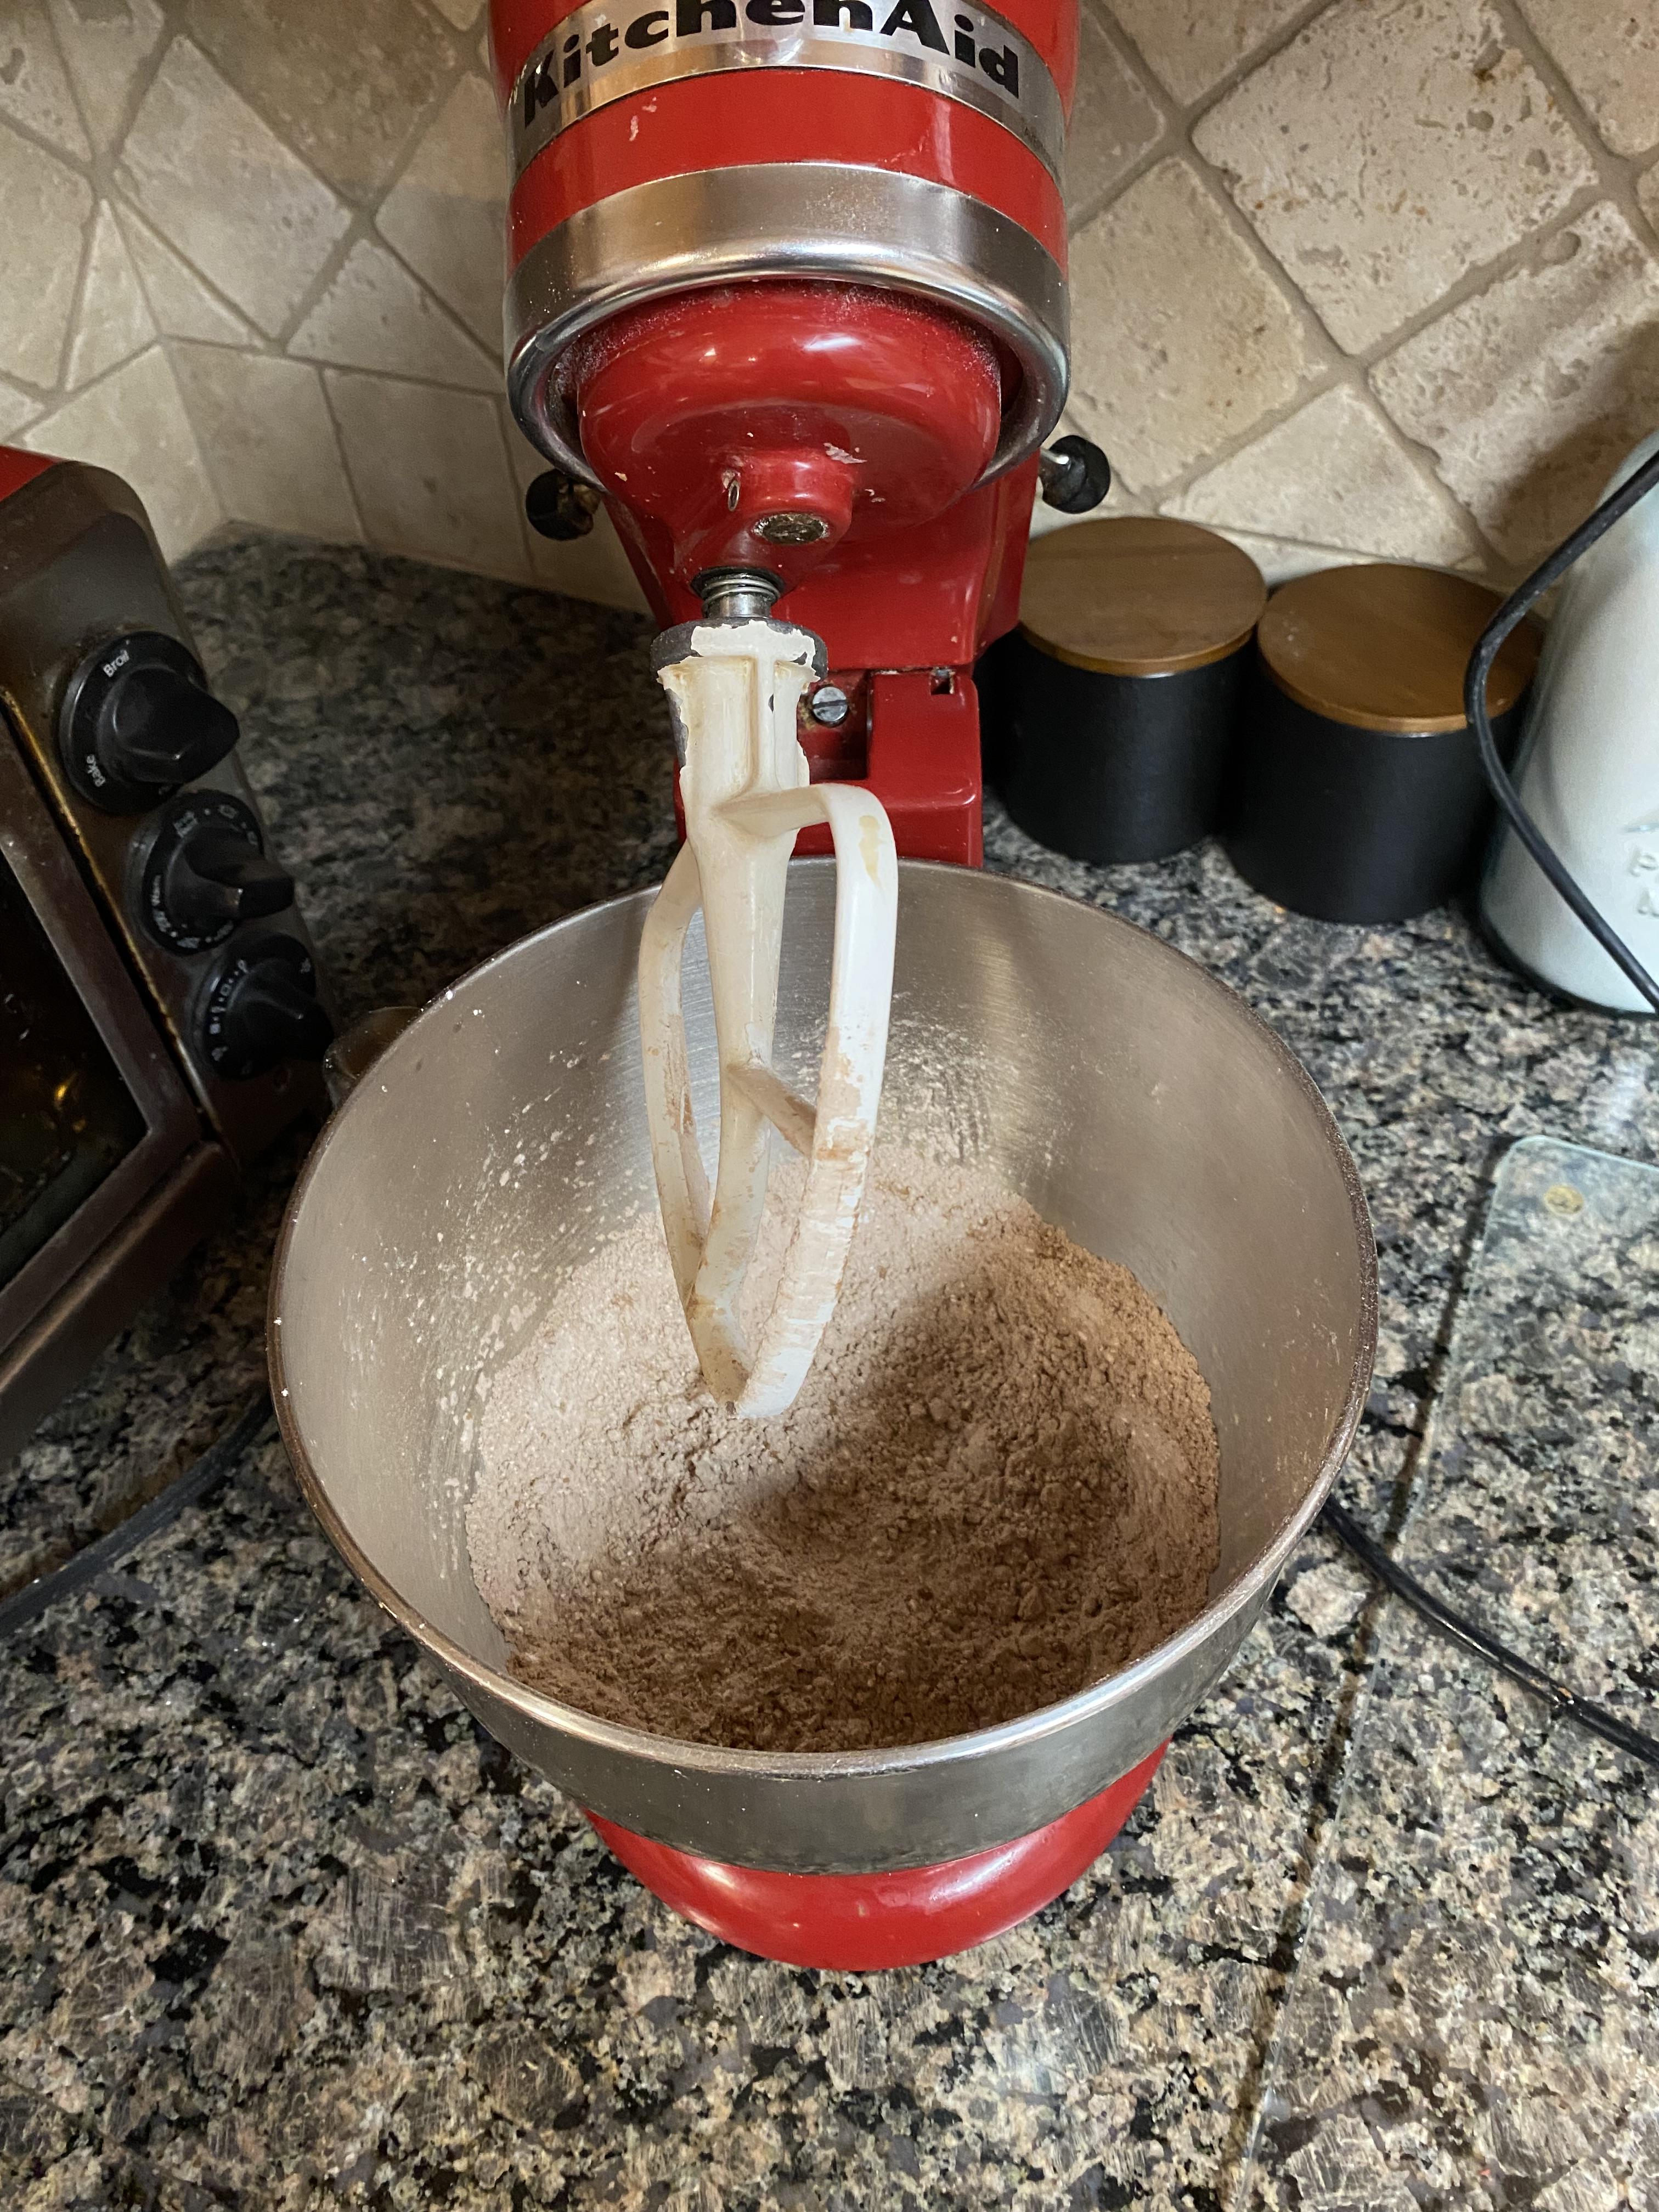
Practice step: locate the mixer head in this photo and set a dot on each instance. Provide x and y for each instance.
(787, 294)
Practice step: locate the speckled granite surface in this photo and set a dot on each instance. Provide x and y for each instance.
(281, 1929)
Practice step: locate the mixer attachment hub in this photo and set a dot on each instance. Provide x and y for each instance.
(734, 595)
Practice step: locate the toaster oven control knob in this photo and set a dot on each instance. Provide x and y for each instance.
(261, 1007)
(138, 719)
(206, 871)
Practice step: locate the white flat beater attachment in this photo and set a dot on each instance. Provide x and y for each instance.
(735, 686)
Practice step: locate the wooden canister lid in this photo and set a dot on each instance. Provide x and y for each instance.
(1383, 647)
(1139, 595)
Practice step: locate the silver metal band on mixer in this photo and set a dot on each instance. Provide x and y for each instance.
(601, 52)
(802, 220)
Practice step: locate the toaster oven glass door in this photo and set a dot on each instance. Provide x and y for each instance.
(94, 1112)
(67, 1120)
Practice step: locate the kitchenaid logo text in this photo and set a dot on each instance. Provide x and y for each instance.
(597, 55)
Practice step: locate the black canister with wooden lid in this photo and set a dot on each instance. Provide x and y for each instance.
(1357, 793)
(1110, 712)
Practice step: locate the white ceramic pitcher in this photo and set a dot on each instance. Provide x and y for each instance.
(1588, 769)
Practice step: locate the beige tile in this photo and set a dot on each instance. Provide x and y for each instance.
(1388, 150)
(1192, 44)
(17, 408)
(445, 215)
(46, 207)
(1647, 191)
(269, 441)
(183, 306)
(430, 471)
(1279, 559)
(1530, 392)
(1113, 121)
(106, 43)
(590, 568)
(374, 315)
(115, 321)
(133, 422)
(343, 83)
(34, 88)
(1608, 51)
(1334, 474)
(463, 14)
(225, 192)
(1180, 342)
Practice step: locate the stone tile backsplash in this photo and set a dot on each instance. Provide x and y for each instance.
(1350, 277)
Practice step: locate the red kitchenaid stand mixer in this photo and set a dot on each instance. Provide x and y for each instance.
(787, 293)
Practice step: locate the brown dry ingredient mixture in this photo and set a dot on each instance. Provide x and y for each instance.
(998, 1486)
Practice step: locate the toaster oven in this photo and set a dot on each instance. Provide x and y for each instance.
(161, 1016)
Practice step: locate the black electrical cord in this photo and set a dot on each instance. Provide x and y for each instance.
(1450, 1623)
(1513, 611)
(1458, 1628)
(189, 1488)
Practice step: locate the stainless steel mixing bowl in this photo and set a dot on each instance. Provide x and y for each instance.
(1132, 1098)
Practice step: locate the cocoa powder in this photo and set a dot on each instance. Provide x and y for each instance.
(997, 1486)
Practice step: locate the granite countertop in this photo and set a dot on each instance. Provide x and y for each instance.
(282, 1928)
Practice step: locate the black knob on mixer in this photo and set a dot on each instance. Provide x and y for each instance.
(216, 878)
(560, 506)
(261, 1007)
(138, 719)
(205, 871)
(1075, 475)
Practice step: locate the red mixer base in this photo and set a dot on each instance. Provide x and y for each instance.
(854, 1922)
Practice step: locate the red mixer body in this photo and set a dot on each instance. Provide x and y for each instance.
(854, 1923)
(787, 284)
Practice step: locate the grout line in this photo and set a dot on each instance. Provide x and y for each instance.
(1315, 545)
(1519, 259)
(1179, 120)
(356, 229)
(363, 227)
(144, 77)
(196, 437)
(120, 200)
(100, 171)
(1189, 112)
(227, 513)
(1614, 178)
(449, 313)
(77, 305)
(80, 164)
(67, 74)
(1617, 172)
(1481, 277)
(1327, 360)
(1330, 365)
(346, 476)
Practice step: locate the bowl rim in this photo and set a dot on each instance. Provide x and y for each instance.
(1248, 1589)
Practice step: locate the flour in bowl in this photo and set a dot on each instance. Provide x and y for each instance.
(997, 1486)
